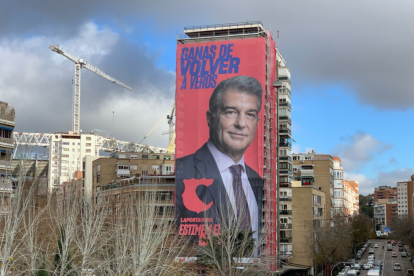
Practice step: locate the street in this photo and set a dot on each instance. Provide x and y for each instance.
(388, 261)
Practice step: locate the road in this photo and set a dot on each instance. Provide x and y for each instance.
(388, 260)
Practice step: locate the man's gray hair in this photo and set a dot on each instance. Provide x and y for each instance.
(242, 84)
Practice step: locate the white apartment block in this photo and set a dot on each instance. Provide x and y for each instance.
(339, 202)
(284, 158)
(66, 152)
(404, 198)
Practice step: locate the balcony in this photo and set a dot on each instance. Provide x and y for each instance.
(285, 185)
(288, 144)
(287, 118)
(284, 78)
(306, 173)
(288, 158)
(285, 171)
(284, 104)
(285, 131)
(285, 198)
(287, 239)
(285, 212)
(6, 140)
(285, 226)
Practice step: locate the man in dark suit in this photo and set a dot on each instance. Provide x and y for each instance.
(214, 183)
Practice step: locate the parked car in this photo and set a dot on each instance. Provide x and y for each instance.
(376, 245)
(410, 272)
(371, 258)
(371, 251)
(404, 254)
(389, 247)
(397, 266)
(356, 267)
(394, 254)
(367, 266)
(358, 256)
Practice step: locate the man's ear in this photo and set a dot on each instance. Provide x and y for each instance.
(209, 117)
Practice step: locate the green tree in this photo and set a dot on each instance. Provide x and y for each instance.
(365, 207)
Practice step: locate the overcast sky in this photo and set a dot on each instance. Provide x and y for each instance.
(351, 64)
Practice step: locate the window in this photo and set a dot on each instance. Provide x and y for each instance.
(88, 144)
(56, 144)
(88, 151)
(65, 143)
(88, 138)
(155, 167)
(122, 156)
(134, 156)
(134, 167)
(167, 157)
(145, 156)
(295, 157)
(123, 167)
(155, 157)
(98, 168)
(73, 162)
(144, 173)
(73, 150)
(73, 143)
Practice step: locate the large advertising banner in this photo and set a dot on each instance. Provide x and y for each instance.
(220, 94)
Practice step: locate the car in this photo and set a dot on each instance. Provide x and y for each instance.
(366, 266)
(394, 254)
(356, 267)
(371, 251)
(404, 254)
(371, 258)
(376, 245)
(397, 266)
(400, 249)
(378, 263)
(394, 242)
(410, 272)
(400, 244)
(388, 241)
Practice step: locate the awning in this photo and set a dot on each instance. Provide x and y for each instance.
(6, 128)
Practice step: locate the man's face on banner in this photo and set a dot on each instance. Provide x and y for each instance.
(233, 127)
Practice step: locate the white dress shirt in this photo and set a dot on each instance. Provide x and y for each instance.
(223, 163)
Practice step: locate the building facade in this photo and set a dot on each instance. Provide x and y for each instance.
(316, 170)
(285, 158)
(385, 210)
(308, 216)
(123, 165)
(385, 192)
(405, 198)
(7, 125)
(66, 153)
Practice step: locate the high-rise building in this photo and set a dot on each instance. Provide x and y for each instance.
(317, 170)
(285, 158)
(405, 197)
(66, 152)
(355, 199)
(385, 192)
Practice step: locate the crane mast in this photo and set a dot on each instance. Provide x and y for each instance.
(79, 64)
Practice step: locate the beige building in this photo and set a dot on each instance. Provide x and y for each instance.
(316, 170)
(405, 193)
(308, 215)
(122, 165)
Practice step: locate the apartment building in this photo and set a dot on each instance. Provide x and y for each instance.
(285, 158)
(66, 153)
(339, 203)
(308, 216)
(385, 192)
(405, 197)
(123, 165)
(7, 124)
(316, 170)
(354, 185)
(385, 210)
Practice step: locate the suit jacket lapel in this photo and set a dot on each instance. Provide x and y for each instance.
(207, 168)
